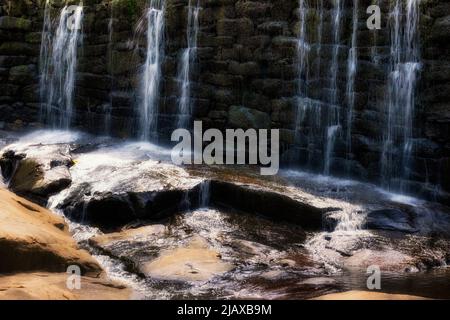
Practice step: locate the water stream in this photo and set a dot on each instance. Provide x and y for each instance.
(58, 62)
(148, 108)
(187, 58)
(400, 97)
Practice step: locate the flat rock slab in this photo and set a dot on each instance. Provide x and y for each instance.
(194, 262)
(388, 260)
(367, 295)
(53, 286)
(150, 232)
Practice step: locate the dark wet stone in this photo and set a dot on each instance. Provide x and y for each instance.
(390, 219)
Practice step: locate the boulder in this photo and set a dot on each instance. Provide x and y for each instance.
(53, 286)
(37, 171)
(194, 262)
(34, 239)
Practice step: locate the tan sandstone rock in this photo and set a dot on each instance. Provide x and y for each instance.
(367, 295)
(194, 262)
(34, 239)
(53, 286)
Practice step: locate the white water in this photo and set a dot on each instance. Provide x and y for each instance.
(58, 62)
(151, 71)
(352, 62)
(108, 107)
(185, 65)
(303, 48)
(332, 131)
(320, 10)
(405, 65)
(205, 194)
(333, 111)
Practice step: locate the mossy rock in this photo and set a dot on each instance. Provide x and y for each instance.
(22, 74)
(246, 118)
(12, 23)
(17, 48)
(34, 37)
(122, 62)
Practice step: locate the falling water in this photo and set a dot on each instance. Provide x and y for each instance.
(302, 65)
(319, 9)
(58, 63)
(303, 48)
(186, 59)
(373, 49)
(151, 73)
(108, 107)
(205, 194)
(333, 112)
(351, 72)
(44, 55)
(405, 64)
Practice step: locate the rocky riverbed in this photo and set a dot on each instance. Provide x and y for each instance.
(213, 232)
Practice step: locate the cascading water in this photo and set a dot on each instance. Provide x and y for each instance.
(319, 10)
(333, 121)
(309, 110)
(185, 65)
(205, 194)
(151, 72)
(405, 64)
(44, 56)
(58, 63)
(352, 62)
(108, 107)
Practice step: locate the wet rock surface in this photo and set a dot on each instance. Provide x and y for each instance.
(211, 232)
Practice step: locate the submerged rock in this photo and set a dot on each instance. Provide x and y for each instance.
(195, 261)
(387, 260)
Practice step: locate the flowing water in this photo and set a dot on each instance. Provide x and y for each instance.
(405, 64)
(187, 58)
(108, 107)
(352, 62)
(148, 108)
(333, 121)
(58, 62)
(271, 259)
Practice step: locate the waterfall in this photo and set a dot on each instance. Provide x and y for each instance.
(404, 67)
(58, 61)
(151, 72)
(185, 65)
(108, 107)
(205, 194)
(302, 67)
(44, 57)
(333, 122)
(319, 9)
(351, 73)
(302, 49)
